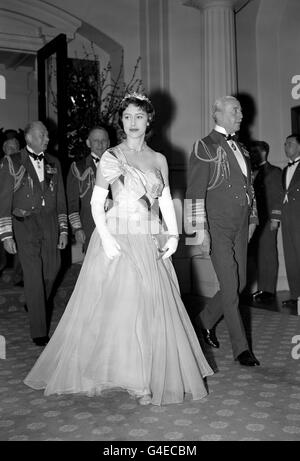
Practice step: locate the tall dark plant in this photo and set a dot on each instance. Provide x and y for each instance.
(93, 98)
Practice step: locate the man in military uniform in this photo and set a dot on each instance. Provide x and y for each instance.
(290, 217)
(267, 186)
(80, 184)
(33, 221)
(221, 205)
(12, 146)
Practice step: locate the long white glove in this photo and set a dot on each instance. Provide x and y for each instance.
(168, 212)
(110, 245)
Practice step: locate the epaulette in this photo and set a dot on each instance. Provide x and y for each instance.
(16, 168)
(86, 178)
(219, 160)
(81, 164)
(81, 171)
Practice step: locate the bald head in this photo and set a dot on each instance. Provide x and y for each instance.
(36, 136)
(35, 125)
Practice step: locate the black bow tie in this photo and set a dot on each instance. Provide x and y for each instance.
(96, 159)
(230, 137)
(36, 157)
(293, 162)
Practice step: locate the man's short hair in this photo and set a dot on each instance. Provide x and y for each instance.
(95, 128)
(32, 125)
(296, 136)
(262, 146)
(11, 141)
(220, 103)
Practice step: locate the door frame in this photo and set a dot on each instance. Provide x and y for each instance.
(58, 47)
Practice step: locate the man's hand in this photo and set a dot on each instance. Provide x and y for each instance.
(10, 246)
(80, 236)
(252, 227)
(274, 224)
(62, 241)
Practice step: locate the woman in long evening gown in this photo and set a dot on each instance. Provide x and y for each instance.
(125, 326)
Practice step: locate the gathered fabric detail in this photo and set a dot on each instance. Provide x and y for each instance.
(137, 183)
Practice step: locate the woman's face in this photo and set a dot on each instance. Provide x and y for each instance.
(134, 121)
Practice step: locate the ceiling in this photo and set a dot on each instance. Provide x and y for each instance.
(14, 59)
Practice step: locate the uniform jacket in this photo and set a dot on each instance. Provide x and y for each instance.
(215, 179)
(22, 194)
(268, 192)
(291, 195)
(80, 184)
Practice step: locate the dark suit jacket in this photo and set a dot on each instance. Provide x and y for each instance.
(21, 193)
(80, 184)
(216, 178)
(292, 206)
(268, 192)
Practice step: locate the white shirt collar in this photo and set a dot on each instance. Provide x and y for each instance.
(221, 129)
(297, 158)
(32, 151)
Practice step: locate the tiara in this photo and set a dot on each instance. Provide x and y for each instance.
(136, 95)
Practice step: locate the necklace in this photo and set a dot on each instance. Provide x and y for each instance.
(138, 151)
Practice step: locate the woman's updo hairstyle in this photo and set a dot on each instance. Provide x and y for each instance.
(142, 102)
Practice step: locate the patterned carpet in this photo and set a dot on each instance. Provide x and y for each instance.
(260, 403)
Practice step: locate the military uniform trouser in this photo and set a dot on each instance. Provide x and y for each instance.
(37, 238)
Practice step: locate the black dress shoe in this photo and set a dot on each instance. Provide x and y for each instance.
(248, 359)
(289, 303)
(263, 296)
(41, 341)
(210, 338)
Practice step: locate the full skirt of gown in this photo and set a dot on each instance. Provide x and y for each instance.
(125, 327)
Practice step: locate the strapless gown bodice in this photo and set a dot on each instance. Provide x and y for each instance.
(134, 192)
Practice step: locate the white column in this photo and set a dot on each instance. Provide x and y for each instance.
(219, 54)
(154, 40)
